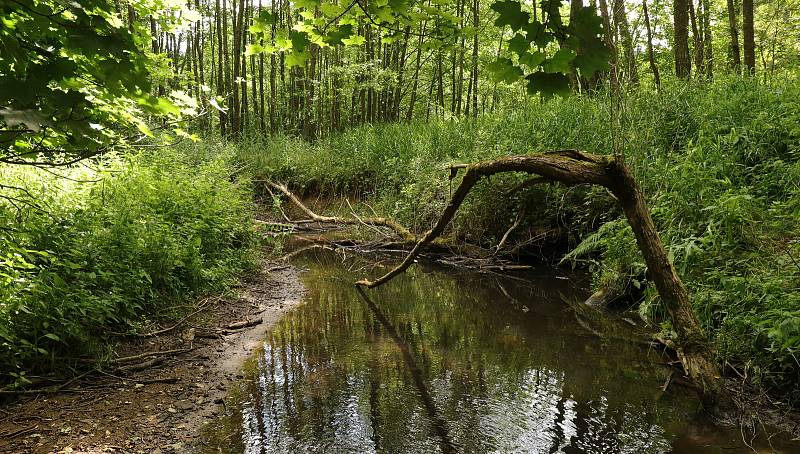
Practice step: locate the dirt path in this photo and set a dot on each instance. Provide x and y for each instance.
(160, 409)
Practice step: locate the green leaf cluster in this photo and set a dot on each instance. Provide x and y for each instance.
(80, 259)
(546, 52)
(73, 80)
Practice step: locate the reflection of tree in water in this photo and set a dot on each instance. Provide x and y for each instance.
(437, 423)
(443, 363)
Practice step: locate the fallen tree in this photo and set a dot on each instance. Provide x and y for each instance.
(396, 227)
(572, 167)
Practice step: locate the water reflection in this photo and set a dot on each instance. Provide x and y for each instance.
(439, 361)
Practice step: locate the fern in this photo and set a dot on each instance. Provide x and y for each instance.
(594, 242)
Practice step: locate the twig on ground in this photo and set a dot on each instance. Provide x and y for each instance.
(244, 324)
(158, 353)
(141, 366)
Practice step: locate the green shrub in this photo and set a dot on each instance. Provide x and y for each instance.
(94, 257)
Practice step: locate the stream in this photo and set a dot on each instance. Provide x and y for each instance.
(442, 360)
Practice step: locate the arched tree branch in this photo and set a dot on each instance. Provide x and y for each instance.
(572, 167)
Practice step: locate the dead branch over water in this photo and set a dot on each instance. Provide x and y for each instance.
(395, 226)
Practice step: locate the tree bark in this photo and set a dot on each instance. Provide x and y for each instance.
(709, 45)
(681, 50)
(650, 55)
(621, 21)
(697, 40)
(476, 24)
(735, 58)
(609, 40)
(223, 116)
(748, 34)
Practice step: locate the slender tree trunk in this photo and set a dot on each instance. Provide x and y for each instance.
(681, 26)
(609, 40)
(417, 65)
(440, 83)
(476, 24)
(221, 93)
(401, 65)
(454, 63)
(748, 33)
(697, 40)
(245, 115)
(227, 60)
(254, 95)
(707, 41)
(201, 45)
(461, 52)
(273, 96)
(238, 20)
(650, 55)
(621, 21)
(734, 56)
(131, 17)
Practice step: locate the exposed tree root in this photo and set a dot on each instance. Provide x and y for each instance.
(572, 167)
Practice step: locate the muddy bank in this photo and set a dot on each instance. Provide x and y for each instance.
(161, 408)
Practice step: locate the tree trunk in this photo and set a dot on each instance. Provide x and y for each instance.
(609, 40)
(735, 59)
(697, 40)
(236, 124)
(650, 55)
(401, 66)
(476, 24)
(621, 21)
(223, 116)
(226, 58)
(417, 65)
(709, 52)
(748, 34)
(681, 25)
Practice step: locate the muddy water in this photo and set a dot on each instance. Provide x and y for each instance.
(444, 361)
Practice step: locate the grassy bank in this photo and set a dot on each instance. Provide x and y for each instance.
(720, 164)
(79, 259)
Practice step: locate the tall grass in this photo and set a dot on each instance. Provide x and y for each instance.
(719, 162)
(81, 258)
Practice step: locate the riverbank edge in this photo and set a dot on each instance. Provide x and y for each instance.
(162, 408)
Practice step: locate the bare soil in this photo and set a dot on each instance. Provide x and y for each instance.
(161, 408)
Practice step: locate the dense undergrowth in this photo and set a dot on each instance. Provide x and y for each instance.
(79, 259)
(720, 164)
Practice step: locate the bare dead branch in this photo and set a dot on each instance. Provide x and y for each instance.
(401, 231)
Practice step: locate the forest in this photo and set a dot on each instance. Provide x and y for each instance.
(159, 159)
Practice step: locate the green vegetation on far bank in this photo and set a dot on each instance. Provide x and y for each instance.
(720, 164)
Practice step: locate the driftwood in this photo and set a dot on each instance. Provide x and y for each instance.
(395, 226)
(572, 167)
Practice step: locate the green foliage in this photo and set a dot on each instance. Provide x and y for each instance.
(580, 47)
(720, 163)
(335, 25)
(73, 80)
(156, 229)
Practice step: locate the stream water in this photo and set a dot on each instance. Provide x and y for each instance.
(448, 361)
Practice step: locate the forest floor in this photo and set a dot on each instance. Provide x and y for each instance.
(162, 408)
